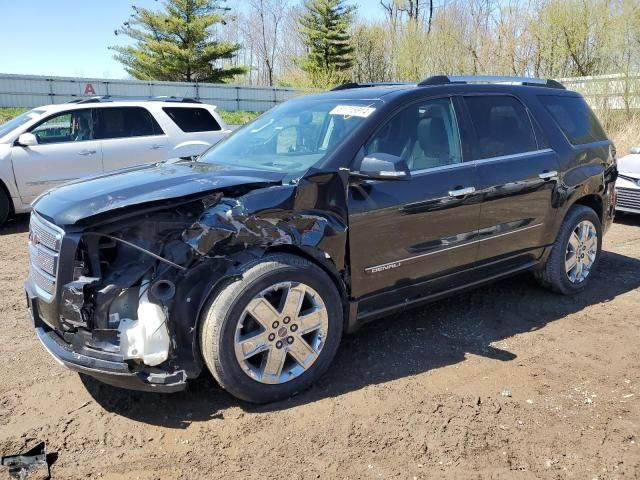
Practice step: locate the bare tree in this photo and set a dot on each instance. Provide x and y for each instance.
(262, 31)
(412, 8)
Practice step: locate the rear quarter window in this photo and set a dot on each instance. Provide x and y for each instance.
(192, 119)
(575, 118)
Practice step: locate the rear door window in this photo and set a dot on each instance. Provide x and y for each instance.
(575, 118)
(125, 122)
(192, 119)
(502, 126)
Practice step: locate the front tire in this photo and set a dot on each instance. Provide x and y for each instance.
(575, 253)
(273, 331)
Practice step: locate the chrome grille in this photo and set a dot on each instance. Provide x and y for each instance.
(45, 240)
(48, 235)
(45, 282)
(628, 198)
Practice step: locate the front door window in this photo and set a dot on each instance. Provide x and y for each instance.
(425, 135)
(74, 126)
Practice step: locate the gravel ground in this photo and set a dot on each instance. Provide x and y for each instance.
(507, 381)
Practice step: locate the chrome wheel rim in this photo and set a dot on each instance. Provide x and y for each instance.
(581, 253)
(281, 333)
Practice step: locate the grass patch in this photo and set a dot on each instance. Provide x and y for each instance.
(237, 118)
(7, 114)
(621, 127)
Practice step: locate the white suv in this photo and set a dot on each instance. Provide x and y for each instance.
(54, 144)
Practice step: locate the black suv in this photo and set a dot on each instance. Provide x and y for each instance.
(325, 212)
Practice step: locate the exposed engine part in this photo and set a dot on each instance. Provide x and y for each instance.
(163, 290)
(147, 338)
(137, 247)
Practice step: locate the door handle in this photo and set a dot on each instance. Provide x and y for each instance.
(548, 175)
(156, 146)
(84, 153)
(461, 192)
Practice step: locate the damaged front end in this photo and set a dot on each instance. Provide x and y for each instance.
(130, 285)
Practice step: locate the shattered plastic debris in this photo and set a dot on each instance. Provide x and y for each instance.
(229, 223)
(33, 464)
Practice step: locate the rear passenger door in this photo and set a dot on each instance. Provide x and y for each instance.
(129, 136)
(517, 176)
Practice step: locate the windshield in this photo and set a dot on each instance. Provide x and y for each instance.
(14, 123)
(293, 136)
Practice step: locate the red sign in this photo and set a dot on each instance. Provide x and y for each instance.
(89, 90)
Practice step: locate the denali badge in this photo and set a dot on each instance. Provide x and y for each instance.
(382, 268)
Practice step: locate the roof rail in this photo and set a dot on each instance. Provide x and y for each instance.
(531, 81)
(346, 86)
(109, 98)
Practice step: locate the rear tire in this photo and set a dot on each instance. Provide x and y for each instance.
(575, 254)
(274, 331)
(5, 206)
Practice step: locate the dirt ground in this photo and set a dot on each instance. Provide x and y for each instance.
(508, 381)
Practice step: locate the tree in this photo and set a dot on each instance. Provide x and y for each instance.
(372, 51)
(412, 8)
(177, 43)
(325, 28)
(263, 31)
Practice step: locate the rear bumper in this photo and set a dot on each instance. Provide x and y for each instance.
(116, 373)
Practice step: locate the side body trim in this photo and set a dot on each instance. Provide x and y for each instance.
(399, 263)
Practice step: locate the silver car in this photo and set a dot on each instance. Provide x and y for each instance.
(628, 183)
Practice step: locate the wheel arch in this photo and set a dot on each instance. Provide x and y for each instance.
(5, 190)
(593, 201)
(322, 260)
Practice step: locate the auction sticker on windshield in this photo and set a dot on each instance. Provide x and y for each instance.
(352, 111)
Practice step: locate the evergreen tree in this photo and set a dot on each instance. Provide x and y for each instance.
(177, 43)
(325, 28)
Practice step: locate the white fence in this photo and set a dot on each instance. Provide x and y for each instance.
(35, 90)
(606, 91)
(611, 92)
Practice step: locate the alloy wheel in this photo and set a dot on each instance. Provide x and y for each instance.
(581, 252)
(281, 332)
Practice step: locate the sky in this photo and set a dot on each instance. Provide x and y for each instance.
(71, 37)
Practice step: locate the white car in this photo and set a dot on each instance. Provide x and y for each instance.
(628, 183)
(54, 144)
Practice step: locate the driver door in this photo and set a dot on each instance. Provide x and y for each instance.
(66, 151)
(403, 232)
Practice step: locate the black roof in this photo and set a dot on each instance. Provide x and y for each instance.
(390, 90)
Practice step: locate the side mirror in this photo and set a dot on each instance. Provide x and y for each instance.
(635, 150)
(383, 166)
(27, 140)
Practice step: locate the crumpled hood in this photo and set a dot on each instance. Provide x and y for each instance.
(71, 202)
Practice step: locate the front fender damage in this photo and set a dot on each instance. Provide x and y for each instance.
(144, 303)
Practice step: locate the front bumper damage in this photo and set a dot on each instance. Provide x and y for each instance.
(73, 353)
